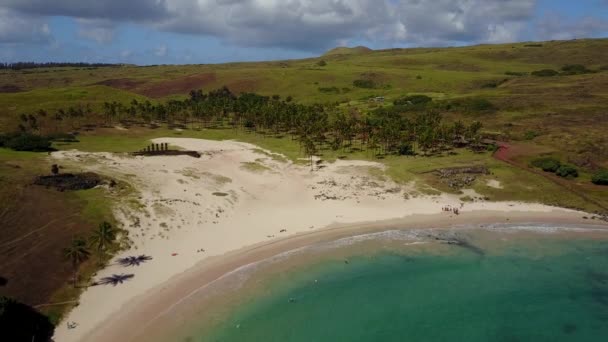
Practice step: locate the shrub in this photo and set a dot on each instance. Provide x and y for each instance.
(494, 83)
(515, 73)
(545, 73)
(412, 100)
(406, 149)
(329, 90)
(364, 84)
(567, 171)
(529, 135)
(27, 142)
(469, 104)
(600, 178)
(321, 63)
(575, 69)
(547, 164)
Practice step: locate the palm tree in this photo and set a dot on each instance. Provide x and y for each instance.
(103, 236)
(77, 252)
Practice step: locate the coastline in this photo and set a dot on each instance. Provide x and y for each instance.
(199, 218)
(148, 310)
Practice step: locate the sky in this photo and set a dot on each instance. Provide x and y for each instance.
(148, 32)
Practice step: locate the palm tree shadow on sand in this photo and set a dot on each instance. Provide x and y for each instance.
(133, 260)
(114, 279)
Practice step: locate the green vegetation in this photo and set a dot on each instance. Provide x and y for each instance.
(575, 69)
(366, 84)
(25, 142)
(413, 100)
(600, 177)
(516, 73)
(567, 171)
(77, 253)
(547, 164)
(545, 73)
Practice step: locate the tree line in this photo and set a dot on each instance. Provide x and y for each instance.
(34, 65)
(387, 130)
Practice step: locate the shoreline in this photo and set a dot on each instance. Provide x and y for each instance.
(238, 198)
(147, 309)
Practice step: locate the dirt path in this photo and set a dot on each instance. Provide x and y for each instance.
(506, 153)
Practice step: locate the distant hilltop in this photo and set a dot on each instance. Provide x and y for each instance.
(344, 50)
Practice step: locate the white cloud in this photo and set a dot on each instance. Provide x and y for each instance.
(310, 25)
(17, 29)
(448, 21)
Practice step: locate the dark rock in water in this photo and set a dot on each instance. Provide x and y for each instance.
(69, 181)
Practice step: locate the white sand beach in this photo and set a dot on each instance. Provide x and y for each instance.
(236, 195)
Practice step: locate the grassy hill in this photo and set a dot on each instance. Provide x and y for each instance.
(342, 50)
(551, 110)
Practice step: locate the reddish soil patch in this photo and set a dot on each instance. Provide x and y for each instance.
(177, 86)
(122, 83)
(34, 232)
(10, 88)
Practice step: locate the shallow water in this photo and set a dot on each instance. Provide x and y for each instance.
(499, 285)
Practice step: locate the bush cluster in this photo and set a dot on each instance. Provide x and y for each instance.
(545, 73)
(575, 69)
(600, 178)
(547, 164)
(368, 84)
(566, 70)
(553, 165)
(25, 142)
(516, 73)
(412, 100)
(470, 104)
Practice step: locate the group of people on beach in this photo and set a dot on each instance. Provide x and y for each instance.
(451, 209)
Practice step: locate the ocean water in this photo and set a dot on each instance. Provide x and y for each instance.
(496, 286)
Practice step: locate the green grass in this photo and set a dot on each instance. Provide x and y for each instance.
(254, 167)
(97, 205)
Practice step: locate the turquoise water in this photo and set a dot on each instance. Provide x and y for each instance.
(540, 289)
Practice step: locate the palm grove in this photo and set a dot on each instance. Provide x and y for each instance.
(413, 124)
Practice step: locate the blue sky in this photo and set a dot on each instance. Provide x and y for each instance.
(214, 31)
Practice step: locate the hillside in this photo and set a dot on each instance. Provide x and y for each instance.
(548, 109)
(342, 50)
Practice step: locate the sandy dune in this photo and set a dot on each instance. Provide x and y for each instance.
(235, 195)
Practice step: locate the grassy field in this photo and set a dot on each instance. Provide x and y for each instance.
(562, 116)
(551, 109)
